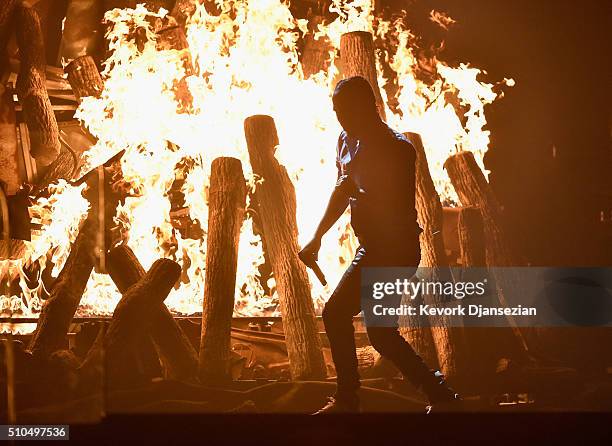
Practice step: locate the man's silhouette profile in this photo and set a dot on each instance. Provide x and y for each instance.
(376, 177)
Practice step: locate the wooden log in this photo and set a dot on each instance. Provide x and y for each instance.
(172, 37)
(449, 341)
(85, 81)
(183, 9)
(84, 77)
(9, 167)
(7, 24)
(37, 110)
(357, 58)
(316, 52)
(473, 190)
(178, 356)
(429, 209)
(58, 311)
(471, 238)
(65, 167)
(133, 316)
(277, 207)
(226, 206)
(416, 329)
(481, 342)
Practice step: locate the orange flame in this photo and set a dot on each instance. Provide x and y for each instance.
(246, 62)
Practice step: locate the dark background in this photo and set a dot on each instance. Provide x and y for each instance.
(550, 155)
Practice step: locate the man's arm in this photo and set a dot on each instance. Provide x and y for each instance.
(336, 206)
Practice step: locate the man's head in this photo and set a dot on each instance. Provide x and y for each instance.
(355, 105)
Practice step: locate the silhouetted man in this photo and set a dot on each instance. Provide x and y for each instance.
(376, 177)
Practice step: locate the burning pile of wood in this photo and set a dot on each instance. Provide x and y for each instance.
(142, 330)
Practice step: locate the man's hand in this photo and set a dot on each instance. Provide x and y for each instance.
(311, 249)
(309, 254)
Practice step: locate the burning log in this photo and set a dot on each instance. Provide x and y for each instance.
(277, 204)
(357, 59)
(178, 355)
(448, 341)
(63, 167)
(84, 77)
(415, 329)
(9, 167)
(85, 80)
(172, 37)
(429, 209)
(37, 110)
(316, 52)
(59, 309)
(474, 190)
(227, 201)
(134, 314)
(183, 9)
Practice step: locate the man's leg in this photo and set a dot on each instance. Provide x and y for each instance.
(338, 318)
(390, 344)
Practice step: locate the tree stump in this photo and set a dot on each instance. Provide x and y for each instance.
(134, 314)
(416, 329)
(227, 202)
(357, 58)
(277, 206)
(85, 80)
(84, 77)
(58, 311)
(316, 52)
(471, 238)
(178, 356)
(172, 37)
(473, 190)
(37, 111)
(183, 9)
(449, 341)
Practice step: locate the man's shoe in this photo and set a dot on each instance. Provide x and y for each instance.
(441, 395)
(451, 404)
(337, 405)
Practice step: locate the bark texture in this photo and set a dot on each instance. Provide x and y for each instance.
(277, 206)
(133, 316)
(58, 311)
(227, 202)
(177, 354)
(84, 77)
(357, 58)
(471, 238)
(31, 90)
(473, 190)
(316, 52)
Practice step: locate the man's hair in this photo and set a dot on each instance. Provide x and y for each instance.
(355, 90)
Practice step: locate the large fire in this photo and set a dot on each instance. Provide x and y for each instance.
(245, 62)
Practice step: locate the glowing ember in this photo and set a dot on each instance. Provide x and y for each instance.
(245, 62)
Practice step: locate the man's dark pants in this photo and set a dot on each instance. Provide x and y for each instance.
(345, 303)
